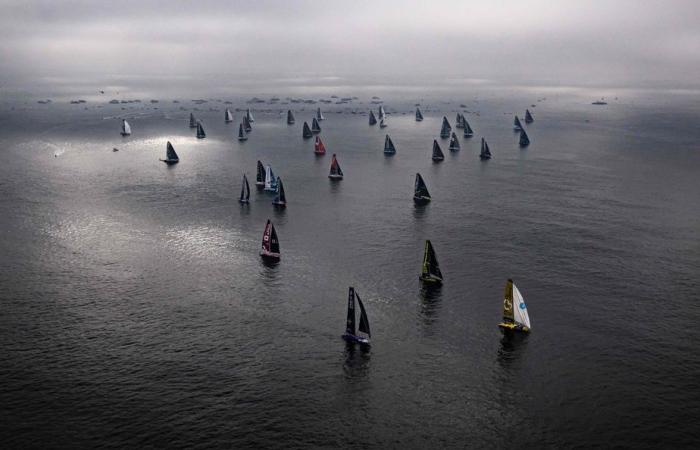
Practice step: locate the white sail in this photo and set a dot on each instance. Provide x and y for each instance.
(270, 180)
(126, 128)
(519, 308)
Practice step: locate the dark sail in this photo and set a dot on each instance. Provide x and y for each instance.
(468, 132)
(446, 128)
(193, 121)
(454, 143)
(270, 244)
(459, 121)
(241, 133)
(336, 171)
(307, 131)
(528, 117)
(420, 189)
(419, 115)
(372, 119)
(170, 153)
(290, 117)
(517, 126)
(524, 140)
(280, 198)
(350, 323)
(319, 115)
(437, 152)
(200, 131)
(315, 127)
(389, 148)
(246, 124)
(431, 269)
(364, 322)
(245, 190)
(260, 177)
(508, 316)
(485, 152)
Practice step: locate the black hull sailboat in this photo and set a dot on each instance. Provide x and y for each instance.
(389, 148)
(260, 177)
(419, 115)
(315, 126)
(528, 117)
(200, 131)
(352, 335)
(517, 126)
(228, 117)
(485, 151)
(270, 244)
(242, 135)
(446, 128)
(420, 191)
(431, 270)
(454, 143)
(336, 172)
(524, 139)
(468, 132)
(437, 152)
(245, 191)
(306, 133)
(290, 117)
(515, 314)
(280, 200)
(170, 155)
(246, 124)
(372, 119)
(319, 115)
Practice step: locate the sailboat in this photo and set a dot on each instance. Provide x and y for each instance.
(260, 177)
(528, 117)
(431, 269)
(270, 244)
(459, 121)
(382, 113)
(193, 121)
(515, 316)
(242, 135)
(336, 171)
(307, 131)
(126, 128)
(468, 132)
(389, 148)
(420, 191)
(315, 127)
(270, 180)
(170, 155)
(524, 140)
(372, 119)
(517, 126)
(249, 115)
(280, 199)
(485, 152)
(200, 131)
(290, 117)
(319, 148)
(245, 191)
(319, 114)
(419, 115)
(437, 152)
(228, 117)
(446, 128)
(246, 124)
(454, 143)
(351, 335)
(383, 124)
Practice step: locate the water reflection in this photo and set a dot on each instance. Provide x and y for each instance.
(357, 359)
(419, 210)
(430, 301)
(512, 347)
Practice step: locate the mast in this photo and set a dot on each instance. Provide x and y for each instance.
(307, 131)
(350, 322)
(290, 117)
(200, 131)
(437, 151)
(372, 119)
(454, 143)
(315, 126)
(389, 148)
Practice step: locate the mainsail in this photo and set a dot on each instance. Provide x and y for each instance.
(246, 124)
(315, 127)
(524, 140)
(126, 128)
(485, 152)
(515, 316)
(446, 128)
(468, 132)
(170, 155)
(242, 135)
(420, 191)
(193, 121)
(228, 117)
(245, 190)
(372, 119)
(437, 152)
(270, 243)
(517, 126)
(336, 171)
(389, 148)
(290, 117)
(200, 131)
(319, 114)
(319, 148)
(280, 199)
(431, 269)
(454, 143)
(260, 177)
(528, 117)
(350, 333)
(419, 115)
(307, 131)
(270, 180)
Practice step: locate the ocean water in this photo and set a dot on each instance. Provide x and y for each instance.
(135, 310)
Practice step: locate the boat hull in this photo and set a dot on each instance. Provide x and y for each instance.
(279, 204)
(421, 200)
(242, 138)
(430, 279)
(351, 338)
(125, 134)
(170, 162)
(468, 135)
(270, 256)
(243, 201)
(484, 158)
(508, 327)
(335, 177)
(438, 158)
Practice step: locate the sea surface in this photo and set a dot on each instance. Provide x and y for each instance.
(135, 311)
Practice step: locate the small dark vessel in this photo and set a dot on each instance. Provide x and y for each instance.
(170, 155)
(228, 117)
(306, 133)
(280, 199)
(437, 151)
(319, 148)
(419, 115)
(528, 117)
(372, 119)
(446, 128)
(420, 191)
(517, 126)
(290, 117)
(319, 114)
(459, 121)
(350, 334)
(468, 132)
(431, 269)
(242, 135)
(260, 177)
(315, 126)
(336, 172)
(193, 121)
(200, 131)
(246, 124)
(515, 316)
(599, 102)
(389, 148)
(245, 191)
(454, 143)
(524, 140)
(270, 244)
(485, 152)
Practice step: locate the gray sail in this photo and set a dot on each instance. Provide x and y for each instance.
(446, 128)
(200, 131)
(389, 148)
(454, 143)
(528, 117)
(382, 113)
(468, 132)
(249, 115)
(245, 190)
(246, 124)
(364, 321)
(307, 133)
(319, 114)
(170, 152)
(315, 126)
(517, 126)
(485, 152)
(459, 121)
(372, 119)
(242, 135)
(437, 152)
(290, 117)
(419, 115)
(420, 190)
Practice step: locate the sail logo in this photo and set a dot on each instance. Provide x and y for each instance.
(507, 304)
(522, 306)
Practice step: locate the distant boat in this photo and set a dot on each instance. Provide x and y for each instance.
(315, 127)
(260, 177)
(170, 155)
(468, 132)
(319, 114)
(446, 128)
(524, 140)
(228, 117)
(431, 269)
(245, 191)
(459, 121)
(290, 117)
(420, 191)
(249, 115)
(454, 143)
(599, 102)
(126, 128)
(280, 199)
(389, 148)
(246, 124)
(515, 316)
(382, 113)
(115, 149)
(319, 148)
(242, 135)
(528, 117)
(336, 172)
(437, 151)
(270, 180)
(485, 152)
(372, 119)
(350, 334)
(193, 121)
(200, 131)
(270, 244)
(307, 133)
(419, 115)
(382, 123)
(517, 126)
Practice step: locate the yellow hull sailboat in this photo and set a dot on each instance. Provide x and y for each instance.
(515, 316)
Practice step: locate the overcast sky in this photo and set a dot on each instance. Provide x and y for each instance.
(634, 43)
